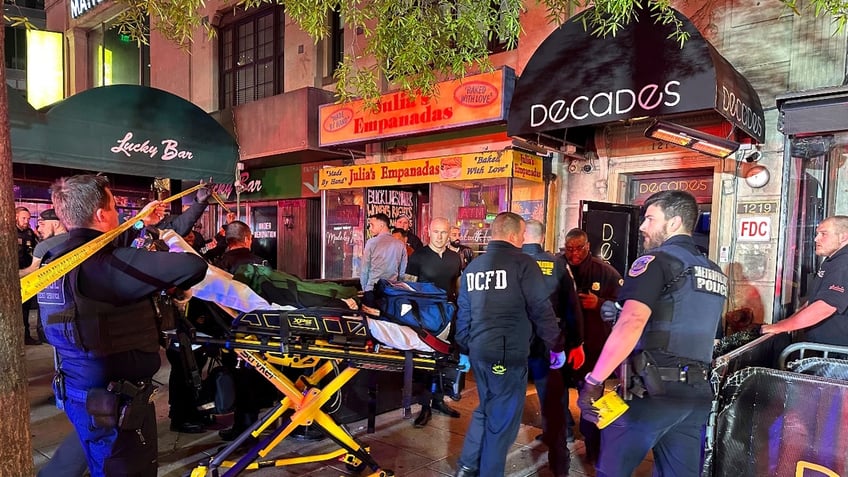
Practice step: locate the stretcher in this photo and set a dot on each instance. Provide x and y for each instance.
(334, 344)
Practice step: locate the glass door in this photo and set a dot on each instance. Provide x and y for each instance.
(817, 166)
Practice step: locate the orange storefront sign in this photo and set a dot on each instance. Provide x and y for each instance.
(473, 100)
(459, 167)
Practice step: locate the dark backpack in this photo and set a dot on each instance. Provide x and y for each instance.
(416, 304)
(286, 289)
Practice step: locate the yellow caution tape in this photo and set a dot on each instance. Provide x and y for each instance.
(218, 200)
(44, 276)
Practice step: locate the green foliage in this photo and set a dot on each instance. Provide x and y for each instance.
(15, 21)
(413, 44)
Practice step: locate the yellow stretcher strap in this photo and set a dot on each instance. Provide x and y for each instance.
(39, 279)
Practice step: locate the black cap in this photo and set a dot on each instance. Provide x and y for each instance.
(49, 214)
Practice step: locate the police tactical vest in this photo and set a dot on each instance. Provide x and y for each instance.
(79, 326)
(683, 324)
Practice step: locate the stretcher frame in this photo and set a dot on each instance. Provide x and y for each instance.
(266, 346)
(801, 350)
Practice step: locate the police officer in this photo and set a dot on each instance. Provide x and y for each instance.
(502, 297)
(101, 319)
(597, 282)
(673, 299)
(556, 418)
(26, 245)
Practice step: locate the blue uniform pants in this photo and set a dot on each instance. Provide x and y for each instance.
(494, 424)
(538, 369)
(68, 460)
(673, 428)
(113, 452)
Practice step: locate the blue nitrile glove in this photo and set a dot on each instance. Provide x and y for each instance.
(464, 363)
(557, 359)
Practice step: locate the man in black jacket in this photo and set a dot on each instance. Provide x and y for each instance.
(247, 404)
(102, 322)
(239, 240)
(502, 297)
(597, 282)
(567, 308)
(27, 240)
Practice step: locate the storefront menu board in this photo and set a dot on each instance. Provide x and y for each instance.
(392, 202)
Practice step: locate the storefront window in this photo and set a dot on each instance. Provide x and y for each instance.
(344, 233)
(817, 166)
(528, 199)
(472, 206)
(265, 226)
(116, 58)
(469, 190)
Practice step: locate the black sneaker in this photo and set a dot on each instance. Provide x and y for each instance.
(230, 433)
(29, 341)
(443, 408)
(188, 427)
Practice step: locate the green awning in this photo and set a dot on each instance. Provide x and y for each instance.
(28, 130)
(134, 130)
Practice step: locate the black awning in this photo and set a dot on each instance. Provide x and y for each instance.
(126, 129)
(575, 80)
(815, 111)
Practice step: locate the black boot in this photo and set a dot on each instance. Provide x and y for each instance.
(463, 471)
(423, 417)
(442, 407)
(187, 427)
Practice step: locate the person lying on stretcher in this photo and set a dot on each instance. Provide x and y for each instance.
(220, 287)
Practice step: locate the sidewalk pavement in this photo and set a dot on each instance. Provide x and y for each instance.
(396, 444)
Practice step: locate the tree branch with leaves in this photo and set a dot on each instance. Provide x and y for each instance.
(414, 44)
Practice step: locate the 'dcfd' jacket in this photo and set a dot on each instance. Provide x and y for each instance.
(500, 293)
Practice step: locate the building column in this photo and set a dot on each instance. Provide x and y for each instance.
(78, 78)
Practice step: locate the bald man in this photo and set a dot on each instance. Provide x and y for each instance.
(825, 314)
(436, 264)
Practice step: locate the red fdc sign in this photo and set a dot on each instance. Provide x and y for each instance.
(754, 229)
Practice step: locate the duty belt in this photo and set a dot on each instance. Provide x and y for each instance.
(683, 374)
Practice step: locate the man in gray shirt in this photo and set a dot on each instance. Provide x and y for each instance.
(52, 233)
(384, 256)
